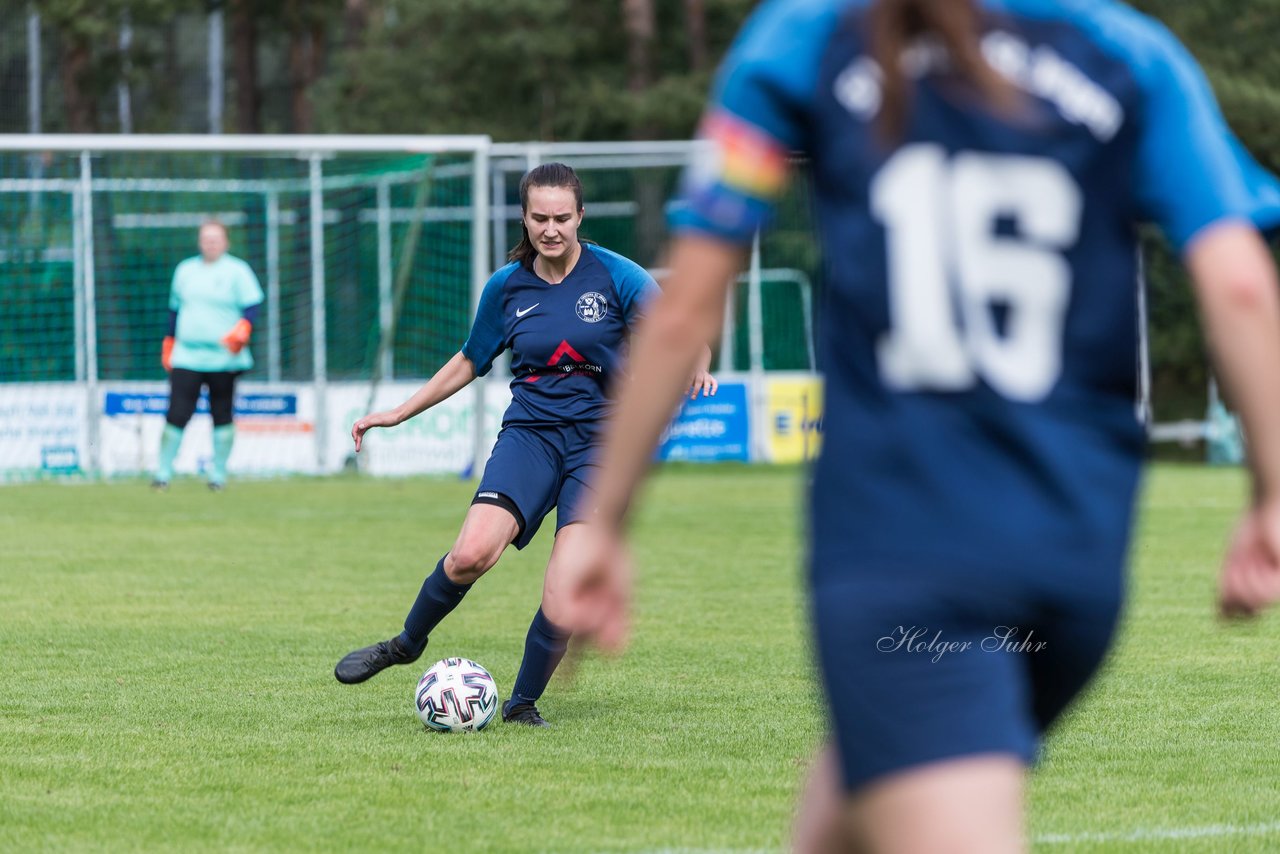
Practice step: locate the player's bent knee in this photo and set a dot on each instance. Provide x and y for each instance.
(553, 609)
(470, 560)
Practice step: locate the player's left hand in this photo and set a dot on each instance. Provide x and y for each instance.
(1250, 578)
(238, 337)
(702, 382)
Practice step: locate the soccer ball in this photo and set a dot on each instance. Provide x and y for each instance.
(456, 695)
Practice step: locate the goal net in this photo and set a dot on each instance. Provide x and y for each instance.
(370, 252)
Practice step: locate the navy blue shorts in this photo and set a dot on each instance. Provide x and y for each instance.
(538, 468)
(920, 668)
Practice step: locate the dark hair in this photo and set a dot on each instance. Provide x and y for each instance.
(546, 175)
(894, 24)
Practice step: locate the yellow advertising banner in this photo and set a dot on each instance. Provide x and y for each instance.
(794, 418)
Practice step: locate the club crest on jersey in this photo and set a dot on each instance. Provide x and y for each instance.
(592, 307)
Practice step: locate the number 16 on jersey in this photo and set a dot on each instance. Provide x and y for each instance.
(940, 214)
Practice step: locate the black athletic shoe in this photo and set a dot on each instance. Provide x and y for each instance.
(370, 661)
(522, 713)
(214, 486)
(159, 486)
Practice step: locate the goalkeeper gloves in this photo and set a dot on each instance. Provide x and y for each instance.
(166, 353)
(238, 337)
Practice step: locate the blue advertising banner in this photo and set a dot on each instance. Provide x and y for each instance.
(157, 403)
(710, 429)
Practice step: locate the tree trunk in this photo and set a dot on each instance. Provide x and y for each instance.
(695, 24)
(306, 60)
(318, 53)
(299, 108)
(299, 64)
(75, 70)
(244, 53)
(355, 19)
(638, 21)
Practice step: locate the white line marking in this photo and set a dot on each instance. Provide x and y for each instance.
(1157, 833)
(1147, 834)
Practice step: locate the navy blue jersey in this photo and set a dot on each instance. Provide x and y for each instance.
(978, 329)
(567, 340)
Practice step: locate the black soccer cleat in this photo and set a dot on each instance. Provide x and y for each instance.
(365, 663)
(159, 486)
(522, 713)
(215, 486)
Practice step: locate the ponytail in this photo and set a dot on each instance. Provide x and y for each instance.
(546, 175)
(956, 24)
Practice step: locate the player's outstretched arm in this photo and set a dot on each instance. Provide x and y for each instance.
(664, 354)
(456, 374)
(1239, 297)
(703, 381)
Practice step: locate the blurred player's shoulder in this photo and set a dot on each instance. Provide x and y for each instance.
(776, 23)
(614, 262)
(1115, 27)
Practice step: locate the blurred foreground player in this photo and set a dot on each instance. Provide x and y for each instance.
(979, 170)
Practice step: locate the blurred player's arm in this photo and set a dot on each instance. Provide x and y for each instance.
(456, 374)
(1211, 210)
(1239, 298)
(670, 344)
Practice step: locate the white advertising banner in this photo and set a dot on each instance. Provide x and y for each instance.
(42, 430)
(439, 441)
(46, 429)
(275, 431)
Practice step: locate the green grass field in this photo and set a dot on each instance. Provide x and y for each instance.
(167, 681)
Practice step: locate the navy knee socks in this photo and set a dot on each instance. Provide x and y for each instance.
(436, 599)
(544, 646)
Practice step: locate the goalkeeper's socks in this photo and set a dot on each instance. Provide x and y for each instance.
(170, 441)
(436, 599)
(544, 646)
(224, 437)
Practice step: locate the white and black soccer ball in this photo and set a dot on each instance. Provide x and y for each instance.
(456, 695)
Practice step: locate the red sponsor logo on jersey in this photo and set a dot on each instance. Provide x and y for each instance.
(565, 349)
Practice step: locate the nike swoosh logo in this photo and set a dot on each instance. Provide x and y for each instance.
(521, 312)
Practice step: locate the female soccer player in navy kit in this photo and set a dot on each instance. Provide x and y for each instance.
(564, 307)
(978, 170)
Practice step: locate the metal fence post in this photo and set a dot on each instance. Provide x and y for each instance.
(480, 190)
(90, 312)
(273, 286)
(385, 308)
(755, 338)
(319, 342)
(1144, 347)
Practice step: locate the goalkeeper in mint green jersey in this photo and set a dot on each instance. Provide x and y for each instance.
(213, 305)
